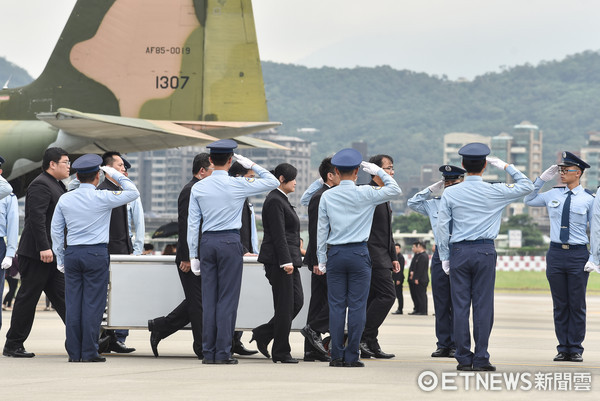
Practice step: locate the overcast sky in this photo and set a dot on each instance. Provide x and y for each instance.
(458, 38)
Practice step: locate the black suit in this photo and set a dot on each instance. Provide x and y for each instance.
(281, 246)
(246, 229)
(419, 267)
(399, 278)
(318, 308)
(36, 276)
(190, 309)
(382, 251)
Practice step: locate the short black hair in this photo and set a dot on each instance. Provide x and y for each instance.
(107, 158)
(419, 243)
(148, 247)
(325, 168)
(286, 170)
(378, 159)
(237, 170)
(473, 166)
(201, 160)
(52, 155)
(220, 159)
(86, 178)
(397, 244)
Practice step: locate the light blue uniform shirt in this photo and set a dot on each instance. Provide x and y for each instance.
(554, 199)
(86, 214)
(9, 223)
(346, 212)
(254, 233)
(423, 203)
(595, 232)
(218, 200)
(475, 208)
(310, 191)
(135, 220)
(5, 188)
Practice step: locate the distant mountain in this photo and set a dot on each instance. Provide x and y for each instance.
(13, 74)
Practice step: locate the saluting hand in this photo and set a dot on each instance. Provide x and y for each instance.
(370, 168)
(108, 170)
(244, 161)
(550, 173)
(494, 161)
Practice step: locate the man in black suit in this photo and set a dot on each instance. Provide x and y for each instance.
(399, 280)
(418, 277)
(190, 309)
(317, 321)
(37, 263)
(383, 260)
(119, 243)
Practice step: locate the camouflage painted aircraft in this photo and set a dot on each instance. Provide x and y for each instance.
(135, 75)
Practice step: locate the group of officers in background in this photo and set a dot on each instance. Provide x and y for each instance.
(68, 236)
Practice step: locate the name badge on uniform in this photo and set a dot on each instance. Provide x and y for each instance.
(554, 203)
(250, 179)
(117, 192)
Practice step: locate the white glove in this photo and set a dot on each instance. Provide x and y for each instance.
(591, 266)
(244, 161)
(323, 267)
(109, 171)
(61, 268)
(437, 187)
(494, 161)
(7, 262)
(370, 168)
(446, 266)
(195, 263)
(550, 173)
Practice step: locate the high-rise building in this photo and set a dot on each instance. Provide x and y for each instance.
(590, 153)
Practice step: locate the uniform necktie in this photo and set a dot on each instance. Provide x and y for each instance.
(564, 221)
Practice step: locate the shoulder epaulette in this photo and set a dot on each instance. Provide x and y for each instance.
(590, 192)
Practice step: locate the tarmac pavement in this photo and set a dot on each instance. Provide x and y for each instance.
(522, 346)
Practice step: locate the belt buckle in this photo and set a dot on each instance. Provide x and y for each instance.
(564, 246)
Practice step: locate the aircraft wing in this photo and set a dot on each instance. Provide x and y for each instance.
(101, 132)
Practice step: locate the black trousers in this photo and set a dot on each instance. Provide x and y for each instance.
(13, 283)
(36, 277)
(288, 299)
(318, 308)
(381, 299)
(420, 297)
(399, 296)
(188, 311)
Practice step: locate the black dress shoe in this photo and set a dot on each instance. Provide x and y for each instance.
(397, 312)
(337, 363)
(313, 356)
(17, 353)
(208, 361)
(355, 364)
(485, 368)
(451, 353)
(95, 359)
(230, 361)
(238, 348)
(313, 338)
(261, 345)
(379, 354)
(464, 367)
(120, 348)
(286, 360)
(575, 357)
(365, 352)
(562, 357)
(441, 353)
(154, 338)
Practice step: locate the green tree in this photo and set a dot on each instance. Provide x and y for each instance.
(531, 235)
(408, 223)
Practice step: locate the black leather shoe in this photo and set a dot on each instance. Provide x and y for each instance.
(485, 368)
(230, 361)
(562, 357)
(313, 338)
(451, 353)
(379, 354)
(441, 353)
(365, 352)
(397, 312)
(261, 345)
(208, 361)
(575, 357)
(464, 367)
(355, 364)
(104, 345)
(238, 348)
(17, 353)
(286, 360)
(120, 348)
(337, 363)
(313, 356)
(95, 359)
(154, 338)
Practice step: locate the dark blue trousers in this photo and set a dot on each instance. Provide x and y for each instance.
(442, 303)
(348, 281)
(568, 283)
(2, 271)
(221, 263)
(86, 283)
(472, 279)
